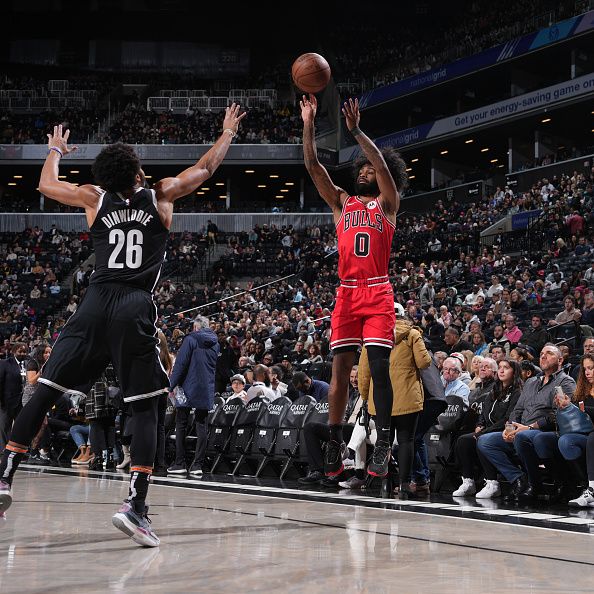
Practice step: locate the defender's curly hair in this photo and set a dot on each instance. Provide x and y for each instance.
(395, 163)
(116, 167)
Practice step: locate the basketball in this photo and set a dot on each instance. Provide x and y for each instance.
(310, 72)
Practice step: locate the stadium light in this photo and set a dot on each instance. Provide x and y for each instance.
(77, 171)
(17, 176)
(61, 177)
(262, 186)
(494, 160)
(409, 168)
(484, 150)
(12, 183)
(411, 177)
(545, 120)
(145, 177)
(444, 152)
(469, 141)
(206, 189)
(414, 160)
(279, 196)
(289, 183)
(273, 176)
(249, 171)
(220, 184)
(199, 193)
(222, 195)
(283, 190)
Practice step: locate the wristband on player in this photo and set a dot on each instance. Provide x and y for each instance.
(356, 131)
(55, 148)
(232, 133)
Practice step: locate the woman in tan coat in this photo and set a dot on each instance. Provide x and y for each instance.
(408, 357)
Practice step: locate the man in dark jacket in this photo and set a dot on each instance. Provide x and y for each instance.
(306, 385)
(12, 380)
(536, 336)
(194, 373)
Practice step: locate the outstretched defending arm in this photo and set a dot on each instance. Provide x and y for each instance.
(51, 186)
(169, 189)
(332, 195)
(385, 181)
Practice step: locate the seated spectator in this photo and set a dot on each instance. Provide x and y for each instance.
(499, 340)
(518, 303)
(454, 344)
(578, 448)
(299, 354)
(314, 354)
(536, 336)
(531, 434)
(485, 378)
(261, 385)
(496, 286)
(529, 370)
(569, 313)
(519, 354)
(479, 343)
(466, 360)
(237, 388)
(305, 385)
(454, 386)
(471, 298)
(474, 371)
(501, 400)
(445, 317)
(276, 381)
(512, 332)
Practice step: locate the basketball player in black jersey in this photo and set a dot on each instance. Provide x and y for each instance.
(116, 320)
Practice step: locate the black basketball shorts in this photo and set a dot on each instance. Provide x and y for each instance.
(116, 324)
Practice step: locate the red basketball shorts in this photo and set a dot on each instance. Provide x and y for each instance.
(363, 315)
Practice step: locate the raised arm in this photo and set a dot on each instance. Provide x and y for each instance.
(170, 189)
(331, 194)
(50, 185)
(385, 181)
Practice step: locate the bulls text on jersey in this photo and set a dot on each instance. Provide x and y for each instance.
(362, 218)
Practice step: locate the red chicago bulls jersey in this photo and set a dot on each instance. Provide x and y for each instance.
(364, 240)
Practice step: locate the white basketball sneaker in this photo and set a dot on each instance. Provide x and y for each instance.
(466, 489)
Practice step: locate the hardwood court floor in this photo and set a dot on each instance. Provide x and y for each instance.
(218, 537)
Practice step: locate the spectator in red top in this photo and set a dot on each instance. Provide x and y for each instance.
(576, 223)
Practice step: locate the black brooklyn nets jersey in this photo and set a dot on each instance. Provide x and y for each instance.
(129, 240)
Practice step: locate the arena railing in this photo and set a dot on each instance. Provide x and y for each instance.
(192, 222)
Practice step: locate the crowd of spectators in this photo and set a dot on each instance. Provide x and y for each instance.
(136, 125)
(385, 54)
(34, 299)
(32, 128)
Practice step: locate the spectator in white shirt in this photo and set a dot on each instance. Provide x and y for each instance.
(495, 287)
(472, 297)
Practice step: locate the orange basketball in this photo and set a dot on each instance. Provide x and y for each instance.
(310, 72)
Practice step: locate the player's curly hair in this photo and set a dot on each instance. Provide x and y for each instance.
(395, 163)
(116, 167)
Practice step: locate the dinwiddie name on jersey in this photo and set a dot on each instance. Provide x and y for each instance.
(362, 218)
(126, 216)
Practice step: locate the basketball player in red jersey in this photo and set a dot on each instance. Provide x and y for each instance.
(364, 307)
